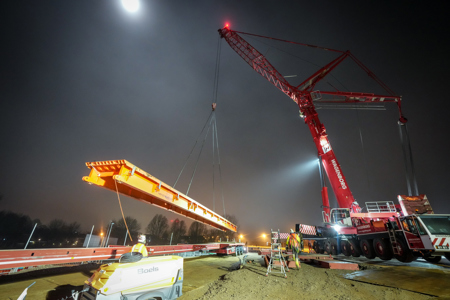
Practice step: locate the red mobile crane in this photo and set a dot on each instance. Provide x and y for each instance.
(383, 231)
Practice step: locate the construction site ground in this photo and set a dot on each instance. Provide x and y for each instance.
(216, 277)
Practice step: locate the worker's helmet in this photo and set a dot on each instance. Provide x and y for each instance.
(141, 238)
(292, 231)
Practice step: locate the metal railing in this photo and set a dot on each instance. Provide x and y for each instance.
(380, 207)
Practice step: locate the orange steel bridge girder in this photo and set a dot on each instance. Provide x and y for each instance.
(136, 183)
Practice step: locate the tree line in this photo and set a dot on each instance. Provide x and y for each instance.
(15, 229)
(161, 231)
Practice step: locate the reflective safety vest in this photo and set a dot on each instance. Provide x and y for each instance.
(140, 248)
(293, 241)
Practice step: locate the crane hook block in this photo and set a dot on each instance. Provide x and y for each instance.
(214, 106)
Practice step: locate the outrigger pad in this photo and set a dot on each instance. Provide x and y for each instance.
(130, 257)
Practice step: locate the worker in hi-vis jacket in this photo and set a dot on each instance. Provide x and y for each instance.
(294, 242)
(140, 246)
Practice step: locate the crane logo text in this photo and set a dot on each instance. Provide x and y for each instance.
(339, 174)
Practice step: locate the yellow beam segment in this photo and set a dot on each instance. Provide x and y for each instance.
(138, 184)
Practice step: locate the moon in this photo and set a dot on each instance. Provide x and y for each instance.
(131, 5)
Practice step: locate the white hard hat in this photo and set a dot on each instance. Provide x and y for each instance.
(292, 231)
(141, 238)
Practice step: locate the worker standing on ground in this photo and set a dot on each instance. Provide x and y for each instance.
(140, 246)
(294, 243)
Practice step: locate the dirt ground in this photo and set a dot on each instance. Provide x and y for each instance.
(309, 282)
(213, 277)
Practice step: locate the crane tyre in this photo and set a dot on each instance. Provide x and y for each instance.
(433, 259)
(383, 249)
(316, 247)
(334, 248)
(447, 255)
(345, 248)
(405, 255)
(367, 249)
(354, 248)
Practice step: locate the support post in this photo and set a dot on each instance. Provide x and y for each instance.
(126, 235)
(89, 240)
(30, 236)
(109, 232)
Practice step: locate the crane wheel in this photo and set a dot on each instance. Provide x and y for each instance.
(367, 249)
(382, 249)
(433, 259)
(405, 255)
(334, 248)
(354, 248)
(345, 248)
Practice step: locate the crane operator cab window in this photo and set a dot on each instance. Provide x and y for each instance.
(437, 224)
(412, 225)
(341, 216)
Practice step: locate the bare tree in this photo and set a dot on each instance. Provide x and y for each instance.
(197, 232)
(119, 230)
(158, 227)
(178, 228)
(215, 235)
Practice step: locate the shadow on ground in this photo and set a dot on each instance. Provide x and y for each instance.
(63, 292)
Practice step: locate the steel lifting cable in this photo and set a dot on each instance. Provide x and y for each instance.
(361, 139)
(121, 210)
(216, 72)
(220, 170)
(214, 103)
(353, 57)
(198, 158)
(214, 132)
(362, 147)
(192, 150)
(214, 163)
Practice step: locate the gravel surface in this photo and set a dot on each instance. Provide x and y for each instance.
(309, 282)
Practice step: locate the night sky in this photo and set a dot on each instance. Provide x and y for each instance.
(87, 81)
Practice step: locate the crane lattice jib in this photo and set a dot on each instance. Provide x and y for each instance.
(261, 65)
(303, 96)
(258, 62)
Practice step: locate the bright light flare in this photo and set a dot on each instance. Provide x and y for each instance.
(337, 227)
(264, 235)
(241, 236)
(227, 25)
(131, 5)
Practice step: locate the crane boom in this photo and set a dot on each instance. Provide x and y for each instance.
(304, 96)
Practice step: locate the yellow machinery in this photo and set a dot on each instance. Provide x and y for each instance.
(123, 177)
(159, 277)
